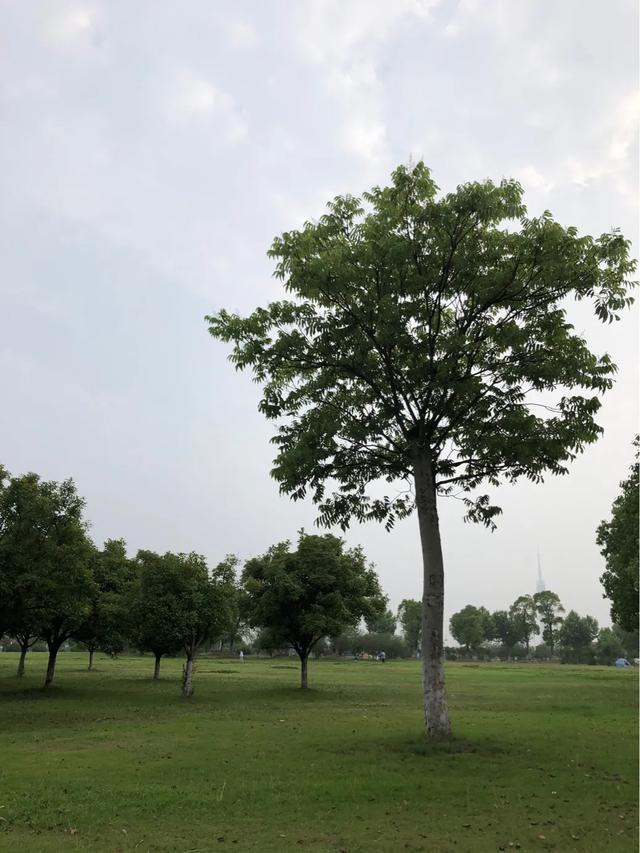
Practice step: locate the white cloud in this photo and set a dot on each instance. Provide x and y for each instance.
(344, 39)
(610, 153)
(241, 34)
(531, 178)
(366, 138)
(196, 97)
(120, 169)
(67, 23)
(626, 127)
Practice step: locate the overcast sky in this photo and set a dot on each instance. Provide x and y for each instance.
(151, 151)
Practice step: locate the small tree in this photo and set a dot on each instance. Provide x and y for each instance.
(618, 539)
(206, 604)
(106, 627)
(240, 628)
(319, 590)
(575, 637)
(427, 340)
(549, 610)
(16, 618)
(524, 612)
(155, 616)
(506, 628)
(630, 640)
(45, 552)
(609, 647)
(469, 627)
(410, 617)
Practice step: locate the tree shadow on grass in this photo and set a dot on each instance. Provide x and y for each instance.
(453, 746)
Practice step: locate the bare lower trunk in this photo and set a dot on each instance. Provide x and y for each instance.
(23, 653)
(436, 714)
(90, 667)
(156, 671)
(303, 671)
(187, 678)
(51, 665)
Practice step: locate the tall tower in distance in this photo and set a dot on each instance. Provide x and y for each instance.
(540, 584)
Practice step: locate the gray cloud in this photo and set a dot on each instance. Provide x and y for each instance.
(149, 156)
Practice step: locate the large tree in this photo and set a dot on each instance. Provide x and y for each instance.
(550, 612)
(45, 553)
(319, 590)
(427, 341)
(618, 539)
(470, 627)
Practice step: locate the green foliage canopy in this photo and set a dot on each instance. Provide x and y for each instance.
(470, 626)
(113, 575)
(508, 628)
(155, 613)
(422, 319)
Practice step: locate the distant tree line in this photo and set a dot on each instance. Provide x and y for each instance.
(508, 634)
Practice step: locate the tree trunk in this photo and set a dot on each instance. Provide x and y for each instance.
(436, 714)
(156, 671)
(187, 678)
(51, 665)
(24, 648)
(90, 667)
(303, 671)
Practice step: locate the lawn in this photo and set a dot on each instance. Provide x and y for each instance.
(545, 758)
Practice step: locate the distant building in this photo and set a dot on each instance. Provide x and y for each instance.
(540, 584)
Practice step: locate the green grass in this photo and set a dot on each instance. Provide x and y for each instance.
(545, 758)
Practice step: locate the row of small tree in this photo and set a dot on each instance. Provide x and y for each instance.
(571, 636)
(56, 586)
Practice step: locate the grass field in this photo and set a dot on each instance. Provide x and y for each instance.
(545, 758)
